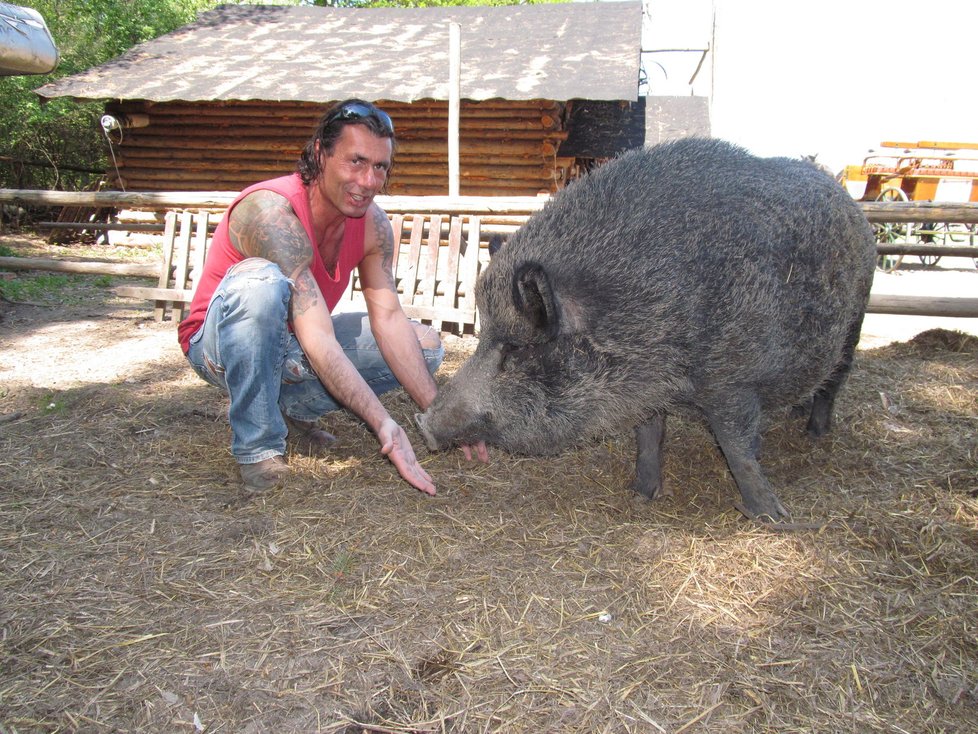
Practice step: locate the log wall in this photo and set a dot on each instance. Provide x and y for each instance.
(507, 148)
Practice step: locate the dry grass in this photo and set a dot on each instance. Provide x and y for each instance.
(141, 591)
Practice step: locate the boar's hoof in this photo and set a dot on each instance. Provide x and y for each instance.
(652, 490)
(764, 509)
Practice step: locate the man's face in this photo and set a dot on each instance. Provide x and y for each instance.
(356, 170)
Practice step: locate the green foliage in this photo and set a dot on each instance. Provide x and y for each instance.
(58, 145)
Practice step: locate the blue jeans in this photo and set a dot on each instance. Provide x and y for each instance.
(246, 349)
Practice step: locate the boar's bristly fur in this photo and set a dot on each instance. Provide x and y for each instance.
(692, 276)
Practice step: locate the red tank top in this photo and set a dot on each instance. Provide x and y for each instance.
(221, 254)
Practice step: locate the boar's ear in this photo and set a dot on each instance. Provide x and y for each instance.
(534, 297)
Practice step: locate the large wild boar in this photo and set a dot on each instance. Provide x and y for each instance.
(692, 276)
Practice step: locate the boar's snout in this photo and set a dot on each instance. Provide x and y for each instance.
(422, 421)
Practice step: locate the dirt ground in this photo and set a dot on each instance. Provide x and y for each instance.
(141, 591)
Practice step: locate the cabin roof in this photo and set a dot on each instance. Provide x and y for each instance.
(311, 54)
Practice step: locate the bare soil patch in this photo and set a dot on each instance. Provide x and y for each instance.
(140, 590)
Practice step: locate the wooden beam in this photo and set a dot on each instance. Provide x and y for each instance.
(138, 270)
(896, 248)
(919, 211)
(221, 199)
(923, 305)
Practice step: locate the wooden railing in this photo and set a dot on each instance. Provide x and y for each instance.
(437, 260)
(442, 245)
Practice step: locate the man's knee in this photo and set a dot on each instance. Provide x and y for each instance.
(428, 336)
(259, 288)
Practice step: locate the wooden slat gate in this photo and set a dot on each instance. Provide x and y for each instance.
(437, 260)
(186, 237)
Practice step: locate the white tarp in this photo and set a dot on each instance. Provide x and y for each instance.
(26, 46)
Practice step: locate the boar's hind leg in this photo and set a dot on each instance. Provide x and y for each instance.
(648, 465)
(737, 432)
(820, 419)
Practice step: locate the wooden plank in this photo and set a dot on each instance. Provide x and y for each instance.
(919, 211)
(155, 294)
(437, 314)
(137, 270)
(397, 226)
(219, 200)
(101, 226)
(450, 282)
(169, 235)
(469, 269)
(898, 248)
(923, 305)
(201, 243)
(427, 288)
(409, 280)
(181, 260)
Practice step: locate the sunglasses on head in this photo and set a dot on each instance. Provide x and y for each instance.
(358, 110)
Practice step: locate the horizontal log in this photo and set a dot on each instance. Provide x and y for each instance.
(138, 270)
(232, 160)
(277, 144)
(161, 200)
(923, 305)
(498, 185)
(162, 157)
(160, 124)
(920, 211)
(291, 148)
(896, 248)
(319, 108)
(178, 295)
(133, 167)
(244, 175)
(102, 226)
(129, 199)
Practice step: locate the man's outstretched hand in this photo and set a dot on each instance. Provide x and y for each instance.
(394, 444)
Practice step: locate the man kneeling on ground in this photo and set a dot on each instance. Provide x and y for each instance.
(261, 326)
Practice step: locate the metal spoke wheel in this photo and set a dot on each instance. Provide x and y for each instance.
(932, 233)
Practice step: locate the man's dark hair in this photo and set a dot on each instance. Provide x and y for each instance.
(349, 112)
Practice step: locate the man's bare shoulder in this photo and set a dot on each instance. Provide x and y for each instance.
(258, 204)
(263, 224)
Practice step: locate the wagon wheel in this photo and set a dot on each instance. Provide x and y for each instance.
(932, 233)
(887, 232)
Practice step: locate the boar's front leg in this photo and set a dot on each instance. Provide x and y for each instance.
(737, 429)
(649, 438)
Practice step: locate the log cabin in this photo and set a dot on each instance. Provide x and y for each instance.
(546, 92)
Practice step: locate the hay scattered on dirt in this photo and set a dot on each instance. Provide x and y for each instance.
(141, 591)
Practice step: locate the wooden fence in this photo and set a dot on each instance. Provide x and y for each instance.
(442, 246)
(437, 259)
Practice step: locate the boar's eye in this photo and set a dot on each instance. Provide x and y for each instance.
(506, 352)
(512, 355)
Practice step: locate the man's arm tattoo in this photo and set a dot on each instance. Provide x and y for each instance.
(305, 293)
(264, 225)
(385, 242)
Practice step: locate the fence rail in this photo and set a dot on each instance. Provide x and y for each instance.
(442, 213)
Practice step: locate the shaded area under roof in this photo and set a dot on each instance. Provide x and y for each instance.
(310, 54)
